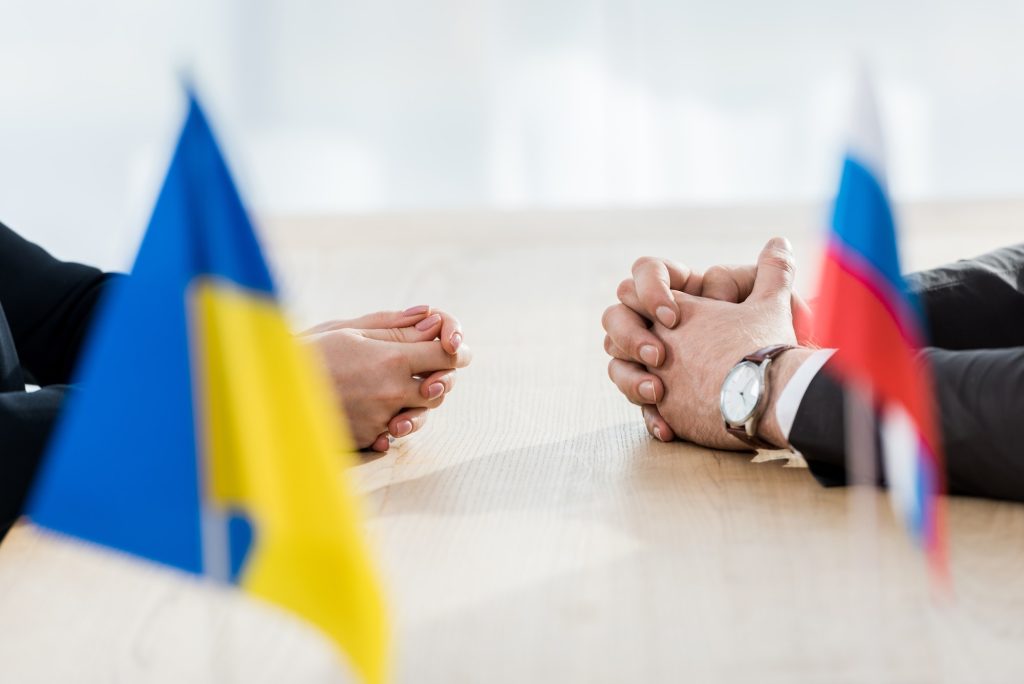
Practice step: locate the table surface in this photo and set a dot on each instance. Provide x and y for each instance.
(533, 532)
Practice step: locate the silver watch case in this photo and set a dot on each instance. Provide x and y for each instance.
(749, 421)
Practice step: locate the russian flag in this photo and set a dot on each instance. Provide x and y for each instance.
(865, 311)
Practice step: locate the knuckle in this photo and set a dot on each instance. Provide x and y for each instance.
(720, 283)
(636, 342)
(390, 394)
(608, 316)
(781, 260)
(462, 358)
(393, 361)
(393, 400)
(625, 288)
(716, 273)
(644, 262)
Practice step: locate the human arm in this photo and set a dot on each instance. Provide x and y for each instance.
(46, 306)
(973, 303)
(979, 400)
(976, 303)
(49, 305)
(978, 392)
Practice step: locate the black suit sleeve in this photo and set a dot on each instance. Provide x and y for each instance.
(46, 307)
(977, 303)
(980, 402)
(976, 314)
(49, 305)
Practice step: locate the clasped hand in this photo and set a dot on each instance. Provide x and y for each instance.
(390, 368)
(676, 333)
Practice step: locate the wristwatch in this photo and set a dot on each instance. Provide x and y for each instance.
(745, 394)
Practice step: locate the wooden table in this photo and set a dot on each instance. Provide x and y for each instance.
(533, 532)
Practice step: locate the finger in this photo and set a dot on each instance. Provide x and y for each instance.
(775, 270)
(656, 424)
(437, 384)
(407, 422)
(378, 320)
(689, 305)
(427, 357)
(382, 443)
(719, 284)
(633, 380)
(729, 283)
(323, 327)
(413, 395)
(694, 284)
(628, 331)
(392, 319)
(424, 331)
(451, 332)
(803, 320)
(627, 296)
(655, 278)
(613, 351)
(627, 291)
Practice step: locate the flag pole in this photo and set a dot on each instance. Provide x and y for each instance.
(862, 512)
(861, 446)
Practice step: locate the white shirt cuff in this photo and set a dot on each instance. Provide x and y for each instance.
(793, 393)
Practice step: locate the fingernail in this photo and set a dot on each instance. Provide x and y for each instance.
(435, 390)
(657, 433)
(429, 322)
(402, 428)
(649, 354)
(666, 315)
(413, 310)
(456, 341)
(647, 391)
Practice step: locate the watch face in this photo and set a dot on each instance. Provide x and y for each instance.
(740, 392)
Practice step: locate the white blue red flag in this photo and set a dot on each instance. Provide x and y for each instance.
(866, 312)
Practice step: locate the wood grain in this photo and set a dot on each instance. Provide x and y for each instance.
(533, 532)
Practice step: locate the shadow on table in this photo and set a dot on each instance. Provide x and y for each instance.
(618, 471)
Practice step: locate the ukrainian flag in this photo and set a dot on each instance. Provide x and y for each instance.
(201, 435)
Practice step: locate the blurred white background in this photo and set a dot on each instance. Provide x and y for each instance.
(332, 106)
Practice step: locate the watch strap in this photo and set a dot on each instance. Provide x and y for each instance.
(762, 355)
(754, 441)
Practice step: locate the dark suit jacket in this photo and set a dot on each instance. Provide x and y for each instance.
(975, 312)
(46, 306)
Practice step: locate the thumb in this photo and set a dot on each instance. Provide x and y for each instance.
(775, 270)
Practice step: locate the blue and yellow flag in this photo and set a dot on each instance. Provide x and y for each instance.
(202, 436)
